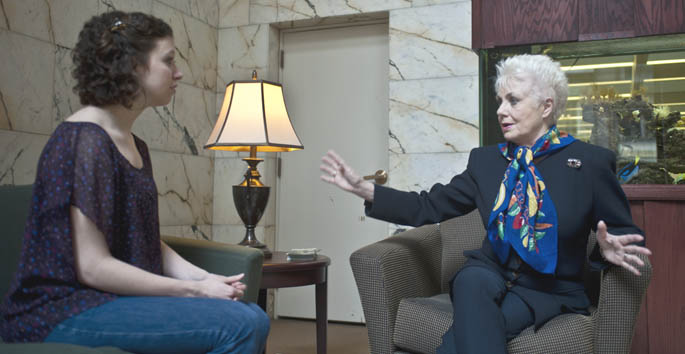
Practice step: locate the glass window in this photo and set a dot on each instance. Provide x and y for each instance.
(632, 103)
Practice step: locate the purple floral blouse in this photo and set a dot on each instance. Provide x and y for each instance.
(79, 166)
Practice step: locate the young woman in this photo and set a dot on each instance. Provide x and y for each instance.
(93, 270)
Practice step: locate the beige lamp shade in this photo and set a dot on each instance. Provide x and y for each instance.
(253, 114)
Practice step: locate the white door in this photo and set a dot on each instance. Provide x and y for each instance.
(336, 91)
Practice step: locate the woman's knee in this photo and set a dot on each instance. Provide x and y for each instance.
(244, 320)
(255, 320)
(477, 281)
(260, 319)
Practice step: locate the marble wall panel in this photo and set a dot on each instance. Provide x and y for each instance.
(196, 44)
(241, 50)
(153, 127)
(205, 11)
(3, 18)
(289, 10)
(274, 59)
(198, 232)
(263, 11)
(269, 237)
(21, 152)
(184, 186)
(227, 172)
(419, 3)
(449, 24)
(29, 17)
(343, 7)
(182, 126)
(233, 233)
(394, 229)
(26, 87)
(68, 17)
(290, 19)
(194, 117)
(419, 131)
(293, 10)
(144, 6)
(234, 13)
(417, 172)
(65, 101)
(431, 42)
(434, 115)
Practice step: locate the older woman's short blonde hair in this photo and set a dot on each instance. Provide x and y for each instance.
(549, 81)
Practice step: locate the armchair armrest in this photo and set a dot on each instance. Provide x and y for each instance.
(222, 258)
(55, 348)
(618, 307)
(401, 266)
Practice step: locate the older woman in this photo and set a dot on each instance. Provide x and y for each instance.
(539, 194)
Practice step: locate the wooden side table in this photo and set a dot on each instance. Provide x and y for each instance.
(277, 272)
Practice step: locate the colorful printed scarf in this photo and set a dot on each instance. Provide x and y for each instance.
(528, 222)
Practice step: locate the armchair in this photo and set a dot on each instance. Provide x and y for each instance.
(214, 257)
(403, 285)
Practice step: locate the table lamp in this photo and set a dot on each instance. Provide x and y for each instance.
(253, 118)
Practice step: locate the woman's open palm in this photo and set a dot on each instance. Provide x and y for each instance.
(619, 250)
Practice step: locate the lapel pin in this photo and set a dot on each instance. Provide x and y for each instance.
(573, 163)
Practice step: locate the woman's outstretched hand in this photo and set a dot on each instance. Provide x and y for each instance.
(618, 249)
(337, 172)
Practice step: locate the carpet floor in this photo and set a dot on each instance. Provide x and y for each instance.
(294, 336)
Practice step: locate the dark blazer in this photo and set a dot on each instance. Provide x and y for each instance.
(582, 197)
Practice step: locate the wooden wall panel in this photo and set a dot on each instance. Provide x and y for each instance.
(637, 211)
(640, 334)
(476, 23)
(659, 17)
(605, 19)
(498, 23)
(507, 22)
(664, 224)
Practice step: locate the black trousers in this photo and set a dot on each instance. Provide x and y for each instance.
(486, 313)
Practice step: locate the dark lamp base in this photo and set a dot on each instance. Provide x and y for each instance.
(250, 201)
(254, 243)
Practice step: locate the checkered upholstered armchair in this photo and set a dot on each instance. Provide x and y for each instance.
(403, 285)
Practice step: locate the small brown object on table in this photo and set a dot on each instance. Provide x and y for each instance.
(278, 272)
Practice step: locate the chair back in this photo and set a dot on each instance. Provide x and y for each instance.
(15, 203)
(458, 235)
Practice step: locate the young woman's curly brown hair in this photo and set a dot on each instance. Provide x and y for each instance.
(109, 49)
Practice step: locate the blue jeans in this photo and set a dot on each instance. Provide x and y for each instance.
(168, 325)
